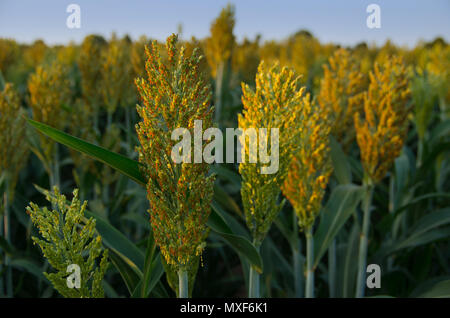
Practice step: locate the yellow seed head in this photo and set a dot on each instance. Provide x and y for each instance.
(381, 134)
(173, 96)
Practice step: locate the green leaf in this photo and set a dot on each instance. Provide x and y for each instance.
(414, 241)
(117, 161)
(221, 196)
(431, 221)
(7, 248)
(115, 240)
(342, 203)
(424, 232)
(227, 174)
(239, 243)
(439, 290)
(401, 174)
(441, 130)
(341, 166)
(349, 266)
(131, 275)
(149, 282)
(285, 228)
(148, 266)
(29, 265)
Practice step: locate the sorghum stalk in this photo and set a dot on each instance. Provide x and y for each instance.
(362, 258)
(7, 235)
(297, 262)
(332, 269)
(219, 49)
(309, 263)
(380, 136)
(56, 178)
(308, 176)
(254, 280)
(277, 103)
(175, 95)
(183, 283)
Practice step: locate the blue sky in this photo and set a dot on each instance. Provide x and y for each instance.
(403, 21)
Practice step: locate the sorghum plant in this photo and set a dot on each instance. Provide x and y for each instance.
(14, 149)
(246, 59)
(380, 136)
(90, 65)
(300, 52)
(275, 103)
(13, 155)
(9, 52)
(49, 90)
(35, 54)
(308, 176)
(116, 76)
(341, 94)
(70, 240)
(174, 95)
(220, 45)
(219, 50)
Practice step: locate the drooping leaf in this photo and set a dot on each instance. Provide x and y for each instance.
(116, 161)
(239, 243)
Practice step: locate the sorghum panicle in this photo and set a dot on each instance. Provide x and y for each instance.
(173, 96)
(9, 53)
(311, 166)
(341, 94)
(382, 132)
(69, 238)
(276, 103)
(246, 59)
(219, 46)
(116, 74)
(90, 65)
(49, 90)
(14, 149)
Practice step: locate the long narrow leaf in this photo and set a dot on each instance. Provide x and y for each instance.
(117, 161)
(342, 203)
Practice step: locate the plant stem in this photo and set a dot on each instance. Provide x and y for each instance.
(219, 90)
(309, 264)
(56, 167)
(298, 270)
(297, 262)
(253, 286)
(332, 269)
(362, 258)
(420, 145)
(129, 132)
(7, 235)
(183, 283)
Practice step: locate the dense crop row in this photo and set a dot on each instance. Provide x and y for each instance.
(362, 176)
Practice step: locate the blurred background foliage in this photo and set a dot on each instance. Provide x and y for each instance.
(88, 90)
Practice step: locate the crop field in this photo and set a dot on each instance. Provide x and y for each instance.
(218, 167)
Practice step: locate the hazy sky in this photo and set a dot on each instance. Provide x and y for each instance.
(403, 21)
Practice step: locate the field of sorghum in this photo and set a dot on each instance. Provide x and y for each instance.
(363, 178)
